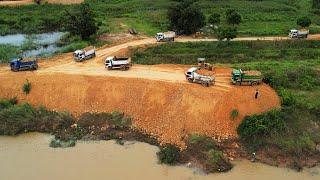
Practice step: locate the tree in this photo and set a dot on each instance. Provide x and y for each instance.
(233, 17)
(214, 19)
(304, 22)
(81, 21)
(186, 17)
(226, 33)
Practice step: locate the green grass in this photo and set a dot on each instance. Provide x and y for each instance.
(267, 17)
(235, 52)
(8, 52)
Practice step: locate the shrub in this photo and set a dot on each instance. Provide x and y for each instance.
(4, 104)
(253, 129)
(304, 22)
(168, 154)
(55, 143)
(26, 87)
(201, 141)
(234, 113)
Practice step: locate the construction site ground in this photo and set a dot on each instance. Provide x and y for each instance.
(160, 100)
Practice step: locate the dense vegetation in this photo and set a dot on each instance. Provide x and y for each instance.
(291, 67)
(267, 17)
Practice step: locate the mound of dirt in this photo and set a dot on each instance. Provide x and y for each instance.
(169, 111)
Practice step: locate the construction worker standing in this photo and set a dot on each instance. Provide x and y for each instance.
(256, 94)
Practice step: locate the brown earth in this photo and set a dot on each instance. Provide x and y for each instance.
(158, 97)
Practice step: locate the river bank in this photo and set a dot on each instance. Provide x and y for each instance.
(101, 159)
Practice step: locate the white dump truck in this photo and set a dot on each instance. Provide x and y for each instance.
(298, 33)
(84, 54)
(122, 63)
(193, 77)
(165, 36)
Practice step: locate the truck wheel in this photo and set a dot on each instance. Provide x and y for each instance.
(205, 84)
(190, 80)
(34, 67)
(123, 68)
(109, 68)
(254, 83)
(238, 83)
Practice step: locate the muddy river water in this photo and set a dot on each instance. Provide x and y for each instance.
(29, 156)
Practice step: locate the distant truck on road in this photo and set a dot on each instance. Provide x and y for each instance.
(193, 77)
(122, 63)
(21, 64)
(165, 36)
(239, 77)
(298, 33)
(84, 54)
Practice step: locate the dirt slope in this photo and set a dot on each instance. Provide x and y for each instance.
(168, 110)
(158, 97)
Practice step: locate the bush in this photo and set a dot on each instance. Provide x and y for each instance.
(57, 143)
(26, 88)
(234, 113)
(304, 22)
(168, 154)
(253, 129)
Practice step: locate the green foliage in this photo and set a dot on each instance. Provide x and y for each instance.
(234, 113)
(8, 52)
(74, 46)
(201, 141)
(57, 143)
(81, 21)
(226, 33)
(316, 3)
(168, 154)
(254, 128)
(214, 18)
(304, 21)
(186, 17)
(26, 88)
(233, 17)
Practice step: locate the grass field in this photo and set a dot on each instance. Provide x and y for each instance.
(268, 17)
(291, 67)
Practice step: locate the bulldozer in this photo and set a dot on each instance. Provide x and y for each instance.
(202, 64)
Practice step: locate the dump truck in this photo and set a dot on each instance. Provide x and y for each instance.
(239, 77)
(84, 54)
(193, 77)
(202, 64)
(298, 33)
(165, 36)
(122, 63)
(21, 64)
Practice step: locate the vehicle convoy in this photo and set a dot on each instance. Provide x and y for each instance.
(239, 77)
(122, 63)
(298, 33)
(202, 64)
(165, 36)
(84, 54)
(193, 77)
(21, 64)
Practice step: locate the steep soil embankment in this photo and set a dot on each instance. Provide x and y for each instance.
(165, 109)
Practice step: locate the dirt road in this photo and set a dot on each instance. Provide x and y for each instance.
(158, 97)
